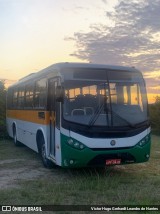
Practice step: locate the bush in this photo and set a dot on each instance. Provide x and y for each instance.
(154, 111)
(2, 109)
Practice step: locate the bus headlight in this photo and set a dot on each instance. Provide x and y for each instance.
(70, 141)
(144, 141)
(75, 144)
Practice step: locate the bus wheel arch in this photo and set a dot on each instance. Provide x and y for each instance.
(42, 149)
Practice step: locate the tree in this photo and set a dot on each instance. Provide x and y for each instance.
(157, 100)
(154, 111)
(2, 108)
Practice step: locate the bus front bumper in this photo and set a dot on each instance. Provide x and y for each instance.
(87, 157)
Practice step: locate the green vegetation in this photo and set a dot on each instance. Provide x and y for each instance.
(2, 109)
(154, 111)
(135, 184)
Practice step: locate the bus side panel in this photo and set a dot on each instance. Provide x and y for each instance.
(26, 132)
(27, 123)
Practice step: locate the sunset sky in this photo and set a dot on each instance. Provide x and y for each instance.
(37, 33)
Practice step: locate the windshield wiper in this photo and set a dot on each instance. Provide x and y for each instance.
(96, 115)
(98, 111)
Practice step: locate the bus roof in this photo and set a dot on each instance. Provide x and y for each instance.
(92, 65)
(70, 65)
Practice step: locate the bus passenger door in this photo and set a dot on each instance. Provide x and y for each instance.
(52, 84)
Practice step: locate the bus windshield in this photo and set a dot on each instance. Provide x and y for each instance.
(108, 98)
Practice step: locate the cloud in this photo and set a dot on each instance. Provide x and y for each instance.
(104, 1)
(132, 38)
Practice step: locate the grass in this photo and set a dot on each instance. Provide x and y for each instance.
(120, 185)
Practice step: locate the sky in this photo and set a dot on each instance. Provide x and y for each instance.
(37, 33)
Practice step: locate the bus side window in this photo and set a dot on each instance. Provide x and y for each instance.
(40, 98)
(29, 96)
(20, 97)
(10, 98)
(15, 98)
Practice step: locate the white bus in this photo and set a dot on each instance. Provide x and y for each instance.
(81, 115)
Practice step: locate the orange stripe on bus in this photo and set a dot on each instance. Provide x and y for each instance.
(30, 116)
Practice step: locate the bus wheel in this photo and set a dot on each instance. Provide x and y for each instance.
(46, 162)
(16, 143)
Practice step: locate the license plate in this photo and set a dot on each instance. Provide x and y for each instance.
(113, 161)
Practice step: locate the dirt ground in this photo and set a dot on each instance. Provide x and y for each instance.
(13, 171)
(9, 177)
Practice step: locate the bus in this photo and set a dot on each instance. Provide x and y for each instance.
(81, 115)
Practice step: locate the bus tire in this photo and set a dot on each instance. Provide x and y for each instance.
(15, 141)
(46, 162)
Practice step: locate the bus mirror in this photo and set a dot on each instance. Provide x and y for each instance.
(59, 94)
